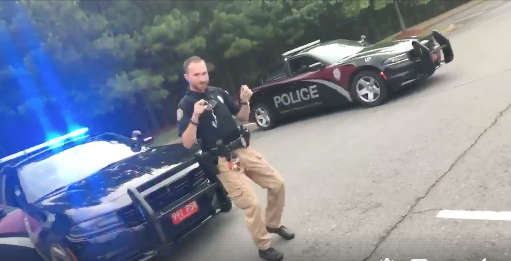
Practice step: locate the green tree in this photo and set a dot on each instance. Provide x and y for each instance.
(124, 56)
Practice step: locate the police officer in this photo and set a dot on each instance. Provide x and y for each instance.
(199, 120)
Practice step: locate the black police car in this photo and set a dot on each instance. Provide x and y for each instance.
(328, 74)
(107, 197)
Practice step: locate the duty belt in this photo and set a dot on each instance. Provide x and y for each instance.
(209, 158)
(228, 150)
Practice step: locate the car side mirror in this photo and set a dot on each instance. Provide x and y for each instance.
(137, 136)
(363, 40)
(139, 141)
(148, 140)
(317, 66)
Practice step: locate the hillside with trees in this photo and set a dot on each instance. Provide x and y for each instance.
(117, 65)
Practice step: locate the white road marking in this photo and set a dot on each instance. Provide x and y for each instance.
(475, 215)
(467, 17)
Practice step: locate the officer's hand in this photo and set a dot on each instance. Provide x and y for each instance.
(199, 107)
(245, 93)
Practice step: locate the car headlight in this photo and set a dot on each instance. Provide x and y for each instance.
(396, 59)
(97, 226)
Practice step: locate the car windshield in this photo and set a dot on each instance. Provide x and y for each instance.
(336, 50)
(41, 177)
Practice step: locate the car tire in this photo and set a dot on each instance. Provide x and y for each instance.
(369, 84)
(264, 117)
(59, 253)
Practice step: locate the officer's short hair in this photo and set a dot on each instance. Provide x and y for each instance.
(193, 59)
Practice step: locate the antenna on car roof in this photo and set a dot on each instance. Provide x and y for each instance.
(52, 142)
(303, 47)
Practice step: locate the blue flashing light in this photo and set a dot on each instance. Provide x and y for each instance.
(51, 143)
(73, 134)
(78, 132)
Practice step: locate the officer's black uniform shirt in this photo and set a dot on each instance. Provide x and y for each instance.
(209, 131)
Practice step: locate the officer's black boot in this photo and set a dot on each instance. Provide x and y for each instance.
(271, 254)
(282, 231)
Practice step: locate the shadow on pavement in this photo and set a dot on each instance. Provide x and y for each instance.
(316, 114)
(417, 88)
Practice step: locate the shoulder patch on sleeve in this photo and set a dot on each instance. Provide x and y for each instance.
(179, 114)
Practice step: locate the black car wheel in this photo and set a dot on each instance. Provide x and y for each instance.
(264, 117)
(369, 89)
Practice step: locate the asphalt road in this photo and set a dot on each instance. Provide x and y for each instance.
(472, 13)
(367, 184)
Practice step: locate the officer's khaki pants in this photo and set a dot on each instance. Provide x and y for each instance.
(253, 165)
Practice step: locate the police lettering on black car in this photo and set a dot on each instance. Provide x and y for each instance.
(344, 71)
(298, 96)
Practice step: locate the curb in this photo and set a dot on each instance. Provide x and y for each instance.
(442, 17)
(448, 29)
(438, 19)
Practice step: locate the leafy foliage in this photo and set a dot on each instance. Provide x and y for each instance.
(96, 58)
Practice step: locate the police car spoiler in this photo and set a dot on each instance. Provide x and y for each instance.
(443, 44)
(425, 59)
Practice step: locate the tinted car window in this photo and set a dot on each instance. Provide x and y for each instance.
(276, 73)
(71, 165)
(301, 64)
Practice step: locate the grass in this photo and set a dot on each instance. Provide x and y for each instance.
(166, 137)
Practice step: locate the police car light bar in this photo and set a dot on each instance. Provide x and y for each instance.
(300, 48)
(49, 143)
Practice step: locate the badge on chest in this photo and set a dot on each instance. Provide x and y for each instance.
(214, 122)
(210, 106)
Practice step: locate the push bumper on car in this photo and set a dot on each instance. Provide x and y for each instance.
(403, 72)
(159, 222)
(155, 233)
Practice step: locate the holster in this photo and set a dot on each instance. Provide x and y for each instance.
(245, 133)
(209, 162)
(209, 159)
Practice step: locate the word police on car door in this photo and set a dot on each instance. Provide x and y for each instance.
(298, 96)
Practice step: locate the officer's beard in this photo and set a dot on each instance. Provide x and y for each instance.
(201, 87)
